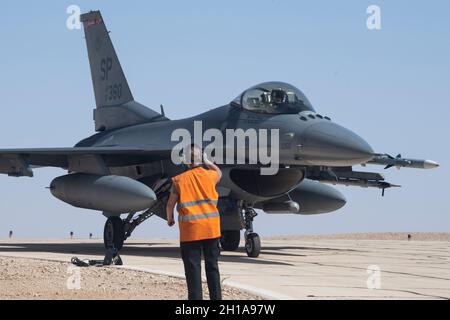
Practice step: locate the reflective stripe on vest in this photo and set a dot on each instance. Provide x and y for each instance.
(198, 216)
(195, 203)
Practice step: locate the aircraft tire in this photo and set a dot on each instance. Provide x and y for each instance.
(114, 233)
(230, 240)
(253, 245)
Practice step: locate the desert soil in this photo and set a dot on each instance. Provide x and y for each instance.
(39, 279)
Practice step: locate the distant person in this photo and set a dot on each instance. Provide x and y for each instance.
(90, 235)
(10, 234)
(409, 237)
(71, 234)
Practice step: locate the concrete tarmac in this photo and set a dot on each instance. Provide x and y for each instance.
(287, 268)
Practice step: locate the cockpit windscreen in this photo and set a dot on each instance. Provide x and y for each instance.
(274, 98)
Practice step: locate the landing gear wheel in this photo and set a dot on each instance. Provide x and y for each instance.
(230, 240)
(114, 233)
(253, 245)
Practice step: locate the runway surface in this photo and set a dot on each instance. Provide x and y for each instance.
(288, 268)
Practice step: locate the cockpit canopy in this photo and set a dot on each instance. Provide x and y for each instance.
(273, 98)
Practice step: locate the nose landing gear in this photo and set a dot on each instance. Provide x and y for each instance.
(252, 240)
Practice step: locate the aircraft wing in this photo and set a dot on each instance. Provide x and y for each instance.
(20, 162)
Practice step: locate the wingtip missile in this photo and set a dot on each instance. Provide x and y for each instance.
(388, 161)
(430, 164)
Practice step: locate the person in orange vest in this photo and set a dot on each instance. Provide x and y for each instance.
(194, 193)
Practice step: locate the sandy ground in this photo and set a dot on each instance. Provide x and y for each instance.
(39, 279)
(289, 267)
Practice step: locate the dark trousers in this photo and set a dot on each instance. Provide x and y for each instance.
(191, 253)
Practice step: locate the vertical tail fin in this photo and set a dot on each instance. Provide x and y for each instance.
(116, 107)
(110, 85)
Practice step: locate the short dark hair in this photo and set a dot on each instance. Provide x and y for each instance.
(195, 147)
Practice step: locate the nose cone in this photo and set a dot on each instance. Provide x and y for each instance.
(329, 144)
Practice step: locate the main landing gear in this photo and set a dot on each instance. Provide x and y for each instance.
(114, 233)
(230, 240)
(117, 230)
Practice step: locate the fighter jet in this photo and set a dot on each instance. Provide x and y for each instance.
(124, 170)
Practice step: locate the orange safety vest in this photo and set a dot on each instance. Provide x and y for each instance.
(198, 216)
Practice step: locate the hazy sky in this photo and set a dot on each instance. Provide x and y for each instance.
(391, 86)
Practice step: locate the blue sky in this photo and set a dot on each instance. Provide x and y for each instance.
(391, 86)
